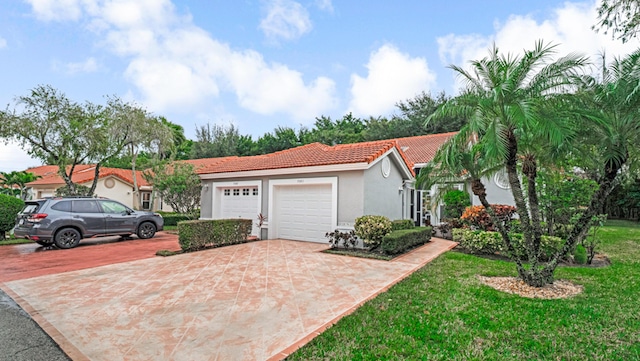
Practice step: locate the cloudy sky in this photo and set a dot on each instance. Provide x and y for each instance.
(263, 63)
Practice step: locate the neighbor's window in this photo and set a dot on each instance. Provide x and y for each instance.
(146, 201)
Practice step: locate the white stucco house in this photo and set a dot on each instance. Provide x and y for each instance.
(113, 183)
(307, 191)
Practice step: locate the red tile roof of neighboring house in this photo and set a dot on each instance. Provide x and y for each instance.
(314, 154)
(84, 173)
(422, 148)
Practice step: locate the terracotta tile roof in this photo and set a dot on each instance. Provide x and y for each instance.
(314, 154)
(84, 173)
(422, 148)
(206, 162)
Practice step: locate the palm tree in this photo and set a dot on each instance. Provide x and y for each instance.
(20, 179)
(506, 101)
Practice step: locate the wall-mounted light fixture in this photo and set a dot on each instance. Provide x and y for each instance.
(206, 187)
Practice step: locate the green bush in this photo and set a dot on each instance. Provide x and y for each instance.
(485, 242)
(455, 202)
(580, 254)
(200, 234)
(172, 219)
(10, 206)
(399, 224)
(371, 229)
(403, 239)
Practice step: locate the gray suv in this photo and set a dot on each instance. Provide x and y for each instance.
(65, 221)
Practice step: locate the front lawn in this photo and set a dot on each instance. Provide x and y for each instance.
(442, 312)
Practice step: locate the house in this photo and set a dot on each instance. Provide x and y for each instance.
(307, 191)
(113, 183)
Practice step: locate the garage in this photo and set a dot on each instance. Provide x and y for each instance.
(238, 201)
(302, 211)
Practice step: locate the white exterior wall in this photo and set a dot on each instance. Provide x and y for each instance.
(385, 196)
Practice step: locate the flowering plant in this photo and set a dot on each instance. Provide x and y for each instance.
(371, 229)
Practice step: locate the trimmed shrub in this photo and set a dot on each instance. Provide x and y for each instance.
(485, 242)
(371, 229)
(172, 219)
(399, 224)
(455, 202)
(404, 239)
(200, 234)
(346, 239)
(580, 254)
(10, 206)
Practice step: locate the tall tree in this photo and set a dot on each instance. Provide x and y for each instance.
(179, 186)
(61, 132)
(215, 141)
(349, 129)
(506, 102)
(621, 17)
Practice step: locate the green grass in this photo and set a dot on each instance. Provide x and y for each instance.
(11, 241)
(442, 312)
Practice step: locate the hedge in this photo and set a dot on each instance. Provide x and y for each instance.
(399, 224)
(485, 242)
(200, 234)
(172, 219)
(10, 206)
(401, 240)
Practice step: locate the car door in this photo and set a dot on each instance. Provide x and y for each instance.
(119, 218)
(86, 213)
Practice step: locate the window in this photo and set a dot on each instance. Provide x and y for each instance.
(236, 192)
(113, 207)
(146, 201)
(64, 206)
(227, 192)
(255, 191)
(245, 191)
(84, 206)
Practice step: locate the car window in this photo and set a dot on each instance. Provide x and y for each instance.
(31, 208)
(113, 207)
(64, 206)
(84, 206)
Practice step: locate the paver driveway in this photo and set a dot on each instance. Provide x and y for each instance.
(253, 301)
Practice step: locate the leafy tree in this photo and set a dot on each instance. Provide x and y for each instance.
(179, 186)
(61, 132)
(9, 209)
(621, 17)
(281, 139)
(342, 131)
(215, 141)
(20, 179)
(506, 102)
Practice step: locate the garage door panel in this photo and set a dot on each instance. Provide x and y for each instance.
(240, 202)
(304, 212)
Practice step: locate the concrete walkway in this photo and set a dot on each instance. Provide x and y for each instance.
(255, 301)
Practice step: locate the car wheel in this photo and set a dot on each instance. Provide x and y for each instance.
(67, 238)
(45, 243)
(146, 230)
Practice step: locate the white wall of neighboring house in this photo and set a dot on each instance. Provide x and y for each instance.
(114, 188)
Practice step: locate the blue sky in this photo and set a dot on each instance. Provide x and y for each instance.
(263, 63)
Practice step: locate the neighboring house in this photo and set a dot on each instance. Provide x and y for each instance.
(113, 183)
(307, 191)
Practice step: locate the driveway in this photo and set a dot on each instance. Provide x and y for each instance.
(254, 301)
(31, 259)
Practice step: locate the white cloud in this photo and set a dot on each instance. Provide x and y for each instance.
(3, 43)
(285, 19)
(13, 158)
(175, 65)
(88, 66)
(325, 5)
(393, 76)
(57, 10)
(569, 26)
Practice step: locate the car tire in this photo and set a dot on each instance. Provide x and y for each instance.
(45, 243)
(67, 238)
(146, 230)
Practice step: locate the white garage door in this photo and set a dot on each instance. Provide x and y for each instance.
(303, 212)
(240, 202)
